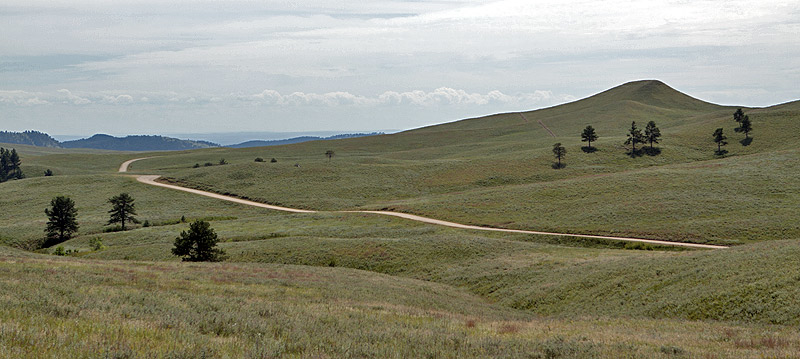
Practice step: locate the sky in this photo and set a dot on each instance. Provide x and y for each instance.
(121, 67)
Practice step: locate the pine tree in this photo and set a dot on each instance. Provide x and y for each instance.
(123, 210)
(652, 133)
(634, 136)
(559, 151)
(745, 126)
(198, 244)
(4, 160)
(15, 171)
(738, 116)
(589, 135)
(61, 220)
(719, 138)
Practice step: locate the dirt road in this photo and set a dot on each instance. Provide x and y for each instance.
(151, 180)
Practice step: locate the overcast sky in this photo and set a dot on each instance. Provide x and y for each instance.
(153, 66)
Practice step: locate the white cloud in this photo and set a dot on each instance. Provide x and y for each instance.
(74, 99)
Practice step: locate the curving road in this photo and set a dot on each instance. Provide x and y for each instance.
(151, 180)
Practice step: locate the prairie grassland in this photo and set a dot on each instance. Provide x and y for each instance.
(81, 308)
(497, 171)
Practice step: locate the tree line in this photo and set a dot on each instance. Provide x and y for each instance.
(10, 165)
(195, 245)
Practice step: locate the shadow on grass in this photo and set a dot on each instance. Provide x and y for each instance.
(747, 141)
(636, 153)
(588, 149)
(558, 166)
(721, 152)
(652, 151)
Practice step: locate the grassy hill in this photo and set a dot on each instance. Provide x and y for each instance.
(359, 285)
(496, 170)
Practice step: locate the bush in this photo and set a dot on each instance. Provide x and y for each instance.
(48, 173)
(59, 251)
(146, 223)
(259, 159)
(97, 244)
(196, 165)
(198, 244)
(208, 164)
(223, 162)
(273, 160)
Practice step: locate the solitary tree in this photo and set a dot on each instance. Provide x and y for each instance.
(589, 135)
(198, 244)
(652, 133)
(634, 136)
(61, 222)
(122, 210)
(719, 138)
(330, 154)
(738, 116)
(559, 151)
(745, 126)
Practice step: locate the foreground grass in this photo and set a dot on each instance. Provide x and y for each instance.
(81, 308)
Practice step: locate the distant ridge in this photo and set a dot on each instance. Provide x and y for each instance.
(31, 138)
(137, 143)
(262, 143)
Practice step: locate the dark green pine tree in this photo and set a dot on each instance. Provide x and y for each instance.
(61, 220)
(559, 152)
(14, 165)
(745, 126)
(589, 135)
(719, 138)
(634, 136)
(122, 210)
(652, 133)
(4, 160)
(198, 244)
(738, 116)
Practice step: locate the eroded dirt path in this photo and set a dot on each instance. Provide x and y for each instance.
(151, 180)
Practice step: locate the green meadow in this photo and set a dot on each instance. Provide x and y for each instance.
(354, 285)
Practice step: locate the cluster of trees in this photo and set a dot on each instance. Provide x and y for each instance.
(744, 126)
(62, 217)
(652, 136)
(196, 245)
(9, 165)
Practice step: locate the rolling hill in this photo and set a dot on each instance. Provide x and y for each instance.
(324, 284)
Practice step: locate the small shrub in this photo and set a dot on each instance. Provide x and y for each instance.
(223, 162)
(59, 251)
(183, 219)
(273, 160)
(208, 164)
(48, 173)
(146, 223)
(259, 159)
(97, 244)
(196, 165)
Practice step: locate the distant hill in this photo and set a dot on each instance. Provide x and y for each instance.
(262, 143)
(31, 138)
(137, 143)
